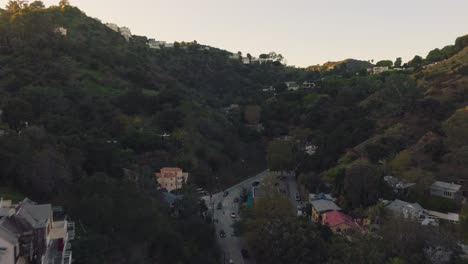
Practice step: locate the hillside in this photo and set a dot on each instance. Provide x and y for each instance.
(81, 109)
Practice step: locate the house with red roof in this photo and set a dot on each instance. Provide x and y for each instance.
(338, 221)
(171, 178)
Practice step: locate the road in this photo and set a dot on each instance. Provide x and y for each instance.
(231, 245)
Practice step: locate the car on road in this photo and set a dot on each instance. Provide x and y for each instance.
(298, 198)
(222, 233)
(236, 200)
(233, 215)
(245, 253)
(220, 206)
(225, 194)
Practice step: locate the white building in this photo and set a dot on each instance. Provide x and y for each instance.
(113, 26)
(446, 190)
(292, 86)
(125, 32)
(308, 85)
(245, 60)
(61, 30)
(156, 44)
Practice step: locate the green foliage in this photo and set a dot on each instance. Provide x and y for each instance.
(456, 128)
(280, 155)
(384, 63)
(398, 62)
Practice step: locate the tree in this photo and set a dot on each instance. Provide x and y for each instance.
(416, 61)
(252, 114)
(64, 3)
(16, 113)
(249, 57)
(37, 5)
(362, 184)
(398, 62)
(384, 63)
(280, 155)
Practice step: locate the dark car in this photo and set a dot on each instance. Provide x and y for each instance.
(245, 253)
(236, 200)
(220, 206)
(222, 233)
(226, 193)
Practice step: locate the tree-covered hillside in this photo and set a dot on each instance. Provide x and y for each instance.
(81, 109)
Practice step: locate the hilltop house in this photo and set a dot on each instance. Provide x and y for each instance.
(171, 178)
(446, 190)
(377, 70)
(245, 60)
(407, 210)
(292, 86)
(124, 31)
(61, 30)
(33, 233)
(155, 44)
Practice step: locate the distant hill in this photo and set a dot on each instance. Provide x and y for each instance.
(348, 65)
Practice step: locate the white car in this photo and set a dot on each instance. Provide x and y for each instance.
(233, 215)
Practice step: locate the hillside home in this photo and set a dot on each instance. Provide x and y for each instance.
(308, 85)
(398, 186)
(446, 190)
(235, 56)
(407, 210)
(125, 32)
(268, 89)
(171, 178)
(61, 30)
(245, 60)
(29, 233)
(310, 149)
(338, 221)
(319, 207)
(156, 44)
(113, 26)
(377, 70)
(292, 86)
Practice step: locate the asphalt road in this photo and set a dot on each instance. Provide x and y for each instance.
(231, 245)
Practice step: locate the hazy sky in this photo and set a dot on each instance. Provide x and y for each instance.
(306, 32)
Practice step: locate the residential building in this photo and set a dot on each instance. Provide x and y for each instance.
(319, 207)
(377, 70)
(156, 44)
(171, 178)
(407, 210)
(446, 190)
(308, 85)
(338, 221)
(264, 60)
(61, 30)
(268, 89)
(245, 60)
(320, 196)
(399, 187)
(31, 233)
(310, 149)
(125, 32)
(235, 56)
(113, 26)
(292, 86)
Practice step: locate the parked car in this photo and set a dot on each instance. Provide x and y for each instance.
(245, 253)
(233, 215)
(222, 233)
(298, 198)
(220, 206)
(226, 193)
(236, 200)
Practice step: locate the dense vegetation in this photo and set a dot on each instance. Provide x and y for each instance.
(79, 109)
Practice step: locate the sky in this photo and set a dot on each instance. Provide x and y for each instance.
(305, 32)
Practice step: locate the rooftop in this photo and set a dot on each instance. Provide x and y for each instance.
(324, 205)
(445, 185)
(334, 218)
